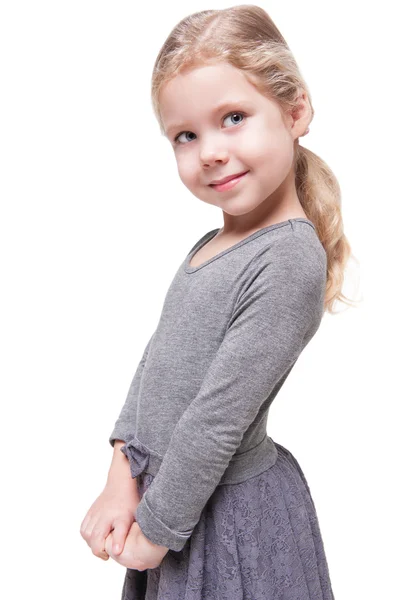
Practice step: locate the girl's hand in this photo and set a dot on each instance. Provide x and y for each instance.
(113, 510)
(139, 552)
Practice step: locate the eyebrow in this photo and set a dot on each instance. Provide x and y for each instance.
(219, 108)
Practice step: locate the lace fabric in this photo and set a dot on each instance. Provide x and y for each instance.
(256, 540)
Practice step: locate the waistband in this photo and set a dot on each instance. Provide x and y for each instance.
(242, 466)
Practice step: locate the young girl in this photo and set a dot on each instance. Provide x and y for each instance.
(200, 502)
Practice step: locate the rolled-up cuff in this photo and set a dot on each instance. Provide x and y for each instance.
(120, 433)
(156, 531)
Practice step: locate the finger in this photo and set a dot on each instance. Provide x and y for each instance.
(85, 522)
(121, 529)
(87, 528)
(91, 526)
(83, 527)
(108, 545)
(97, 540)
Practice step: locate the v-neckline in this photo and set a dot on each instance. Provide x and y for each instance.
(211, 234)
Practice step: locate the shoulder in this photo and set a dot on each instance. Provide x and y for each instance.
(285, 282)
(292, 268)
(294, 252)
(301, 250)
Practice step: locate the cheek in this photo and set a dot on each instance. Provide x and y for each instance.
(271, 154)
(186, 168)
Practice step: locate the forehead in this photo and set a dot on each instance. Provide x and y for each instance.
(202, 90)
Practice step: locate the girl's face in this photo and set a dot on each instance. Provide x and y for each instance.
(211, 141)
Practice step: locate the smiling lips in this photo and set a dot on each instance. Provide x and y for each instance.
(228, 182)
(226, 179)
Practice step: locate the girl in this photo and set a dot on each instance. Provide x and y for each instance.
(200, 502)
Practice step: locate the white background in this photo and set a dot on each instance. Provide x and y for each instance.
(94, 223)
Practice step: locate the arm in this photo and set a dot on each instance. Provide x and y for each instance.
(275, 316)
(113, 511)
(119, 473)
(126, 423)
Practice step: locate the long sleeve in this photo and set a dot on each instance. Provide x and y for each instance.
(125, 424)
(276, 313)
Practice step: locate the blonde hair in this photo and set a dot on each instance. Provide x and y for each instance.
(245, 37)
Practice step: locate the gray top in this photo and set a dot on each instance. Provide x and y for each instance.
(230, 331)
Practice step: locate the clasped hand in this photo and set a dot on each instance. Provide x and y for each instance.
(138, 552)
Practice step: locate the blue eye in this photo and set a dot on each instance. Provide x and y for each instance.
(233, 114)
(177, 137)
(190, 132)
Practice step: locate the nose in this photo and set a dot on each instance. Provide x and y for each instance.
(211, 155)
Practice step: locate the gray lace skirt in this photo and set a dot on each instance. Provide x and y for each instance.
(255, 540)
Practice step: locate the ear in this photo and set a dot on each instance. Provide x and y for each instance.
(301, 116)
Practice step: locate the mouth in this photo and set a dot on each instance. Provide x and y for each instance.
(228, 182)
(228, 178)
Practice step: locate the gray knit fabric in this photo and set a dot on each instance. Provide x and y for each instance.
(230, 331)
